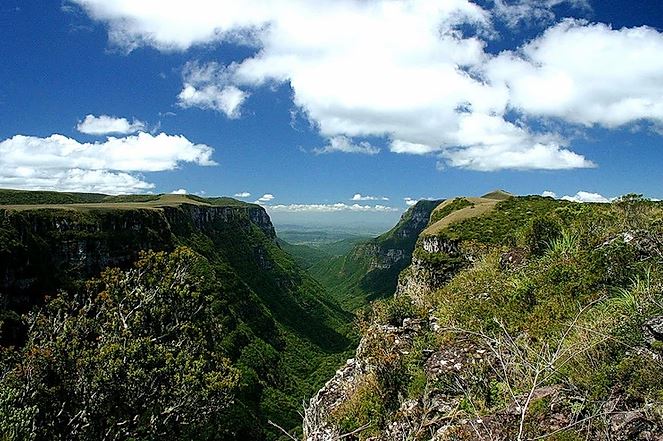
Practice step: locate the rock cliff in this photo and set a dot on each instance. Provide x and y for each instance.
(52, 248)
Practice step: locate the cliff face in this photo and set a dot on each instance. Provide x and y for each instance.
(394, 248)
(275, 321)
(204, 218)
(49, 249)
(434, 262)
(370, 271)
(269, 302)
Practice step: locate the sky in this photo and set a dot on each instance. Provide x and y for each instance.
(346, 110)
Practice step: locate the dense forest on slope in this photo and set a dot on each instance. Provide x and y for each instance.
(536, 319)
(171, 317)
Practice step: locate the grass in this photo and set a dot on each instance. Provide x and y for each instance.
(24, 202)
(478, 207)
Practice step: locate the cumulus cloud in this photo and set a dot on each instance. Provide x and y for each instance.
(416, 73)
(585, 196)
(243, 194)
(180, 191)
(345, 145)
(360, 197)
(410, 202)
(207, 87)
(73, 180)
(581, 196)
(332, 208)
(106, 125)
(61, 163)
(493, 144)
(588, 74)
(267, 197)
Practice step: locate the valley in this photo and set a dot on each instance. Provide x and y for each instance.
(469, 309)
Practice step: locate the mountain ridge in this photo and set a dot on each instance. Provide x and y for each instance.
(470, 347)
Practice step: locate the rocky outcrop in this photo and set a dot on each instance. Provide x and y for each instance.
(317, 425)
(450, 370)
(379, 257)
(652, 330)
(435, 261)
(440, 244)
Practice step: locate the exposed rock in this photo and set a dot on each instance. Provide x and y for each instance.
(334, 393)
(634, 425)
(438, 244)
(425, 276)
(513, 258)
(652, 330)
(646, 243)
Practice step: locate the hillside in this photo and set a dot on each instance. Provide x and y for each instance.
(535, 319)
(244, 303)
(370, 270)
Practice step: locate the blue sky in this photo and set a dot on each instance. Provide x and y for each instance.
(315, 102)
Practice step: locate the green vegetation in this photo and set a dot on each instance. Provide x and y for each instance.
(448, 207)
(226, 331)
(305, 256)
(560, 333)
(370, 270)
(28, 200)
(132, 357)
(504, 223)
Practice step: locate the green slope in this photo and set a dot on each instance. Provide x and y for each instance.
(563, 331)
(280, 331)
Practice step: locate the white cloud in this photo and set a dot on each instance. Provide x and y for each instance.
(207, 87)
(584, 196)
(61, 163)
(581, 196)
(398, 146)
(106, 125)
(73, 180)
(491, 143)
(345, 145)
(360, 197)
(410, 202)
(243, 194)
(180, 191)
(409, 72)
(586, 74)
(265, 198)
(332, 208)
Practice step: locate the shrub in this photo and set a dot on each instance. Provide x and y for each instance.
(540, 232)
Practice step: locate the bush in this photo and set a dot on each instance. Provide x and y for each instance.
(540, 233)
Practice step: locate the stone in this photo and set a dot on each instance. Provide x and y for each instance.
(652, 330)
